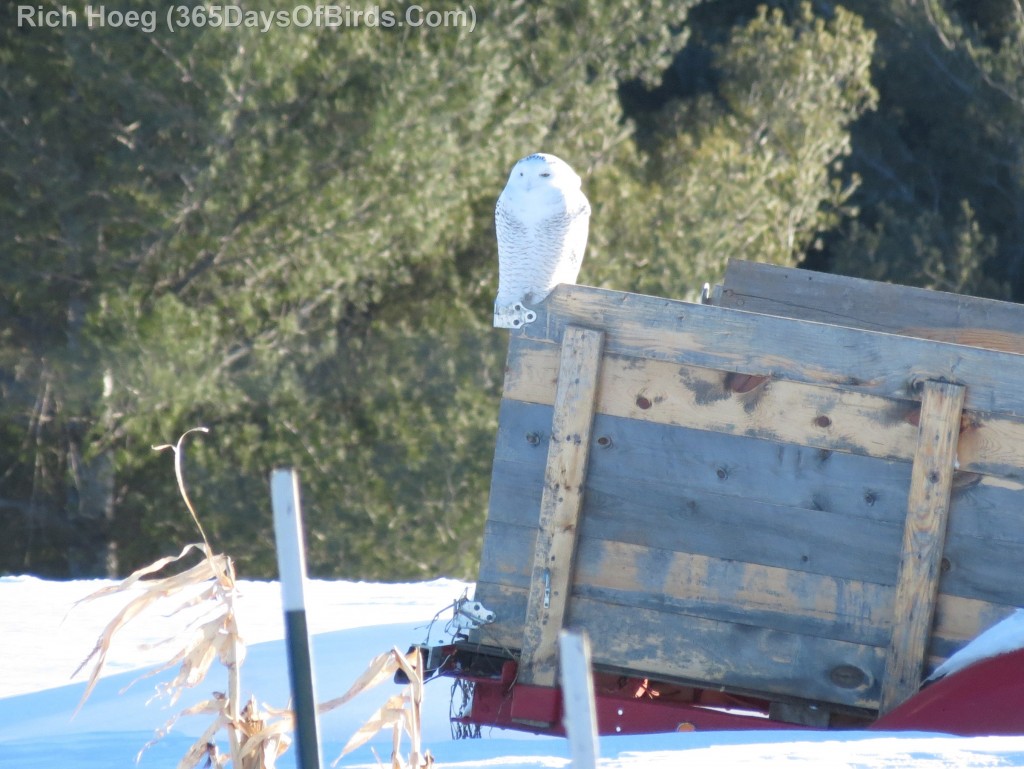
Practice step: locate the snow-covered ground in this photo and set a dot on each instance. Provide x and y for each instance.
(43, 639)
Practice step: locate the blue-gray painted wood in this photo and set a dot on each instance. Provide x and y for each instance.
(854, 620)
(675, 646)
(721, 338)
(724, 526)
(660, 499)
(780, 505)
(702, 461)
(859, 303)
(741, 657)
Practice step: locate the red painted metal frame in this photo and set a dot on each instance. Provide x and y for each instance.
(624, 706)
(986, 698)
(539, 709)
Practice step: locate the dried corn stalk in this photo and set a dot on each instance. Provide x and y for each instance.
(402, 712)
(257, 737)
(211, 580)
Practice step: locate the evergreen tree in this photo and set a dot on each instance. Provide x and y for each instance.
(942, 159)
(750, 168)
(287, 237)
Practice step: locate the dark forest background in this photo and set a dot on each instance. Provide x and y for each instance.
(287, 237)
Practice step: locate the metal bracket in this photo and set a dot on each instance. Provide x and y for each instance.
(515, 315)
(469, 615)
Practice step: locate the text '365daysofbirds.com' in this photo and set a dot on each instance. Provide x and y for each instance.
(181, 17)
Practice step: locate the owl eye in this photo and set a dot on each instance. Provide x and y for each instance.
(546, 174)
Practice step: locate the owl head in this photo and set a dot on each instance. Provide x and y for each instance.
(541, 177)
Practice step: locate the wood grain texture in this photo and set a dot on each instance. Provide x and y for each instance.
(690, 396)
(668, 645)
(719, 338)
(733, 591)
(858, 303)
(651, 462)
(957, 621)
(758, 501)
(746, 506)
(924, 538)
(858, 611)
(683, 647)
(826, 417)
(561, 502)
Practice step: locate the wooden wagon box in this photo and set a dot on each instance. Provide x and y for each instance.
(805, 489)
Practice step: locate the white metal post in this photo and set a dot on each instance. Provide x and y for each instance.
(291, 563)
(578, 698)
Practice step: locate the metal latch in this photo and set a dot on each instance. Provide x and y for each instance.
(469, 615)
(515, 315)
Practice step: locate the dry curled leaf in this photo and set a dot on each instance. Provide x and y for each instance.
(153, 591)
(401, 712)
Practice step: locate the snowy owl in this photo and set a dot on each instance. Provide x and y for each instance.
(541, 220)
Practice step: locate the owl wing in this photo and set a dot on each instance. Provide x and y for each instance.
(516, 263)
(575, 243)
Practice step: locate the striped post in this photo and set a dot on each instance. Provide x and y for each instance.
(291, 563)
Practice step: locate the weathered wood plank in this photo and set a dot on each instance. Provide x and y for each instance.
(812, 541)
(634, 491)
(868, 304)
(507, 555)
(721, 338)
(737, 657)
(923, 540)
(988, 508)
(524, 431)
(992, 444)
(697, 649)
(636, 454)
(714, 588)
(980, 568)
(960, 620)
(690, 396)
(668, 646)
(733, 591)
(830, 418)
(561, 502)
(856, 611)
(957, 620)
(726, 526)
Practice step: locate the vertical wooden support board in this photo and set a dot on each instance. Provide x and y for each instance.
(924, 535)
(561, 500)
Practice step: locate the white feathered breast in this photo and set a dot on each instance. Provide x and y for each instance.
(542, 219)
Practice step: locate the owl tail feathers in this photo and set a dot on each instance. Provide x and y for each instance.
(515, 315)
